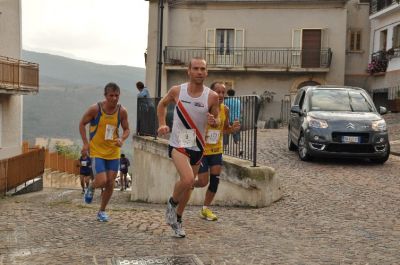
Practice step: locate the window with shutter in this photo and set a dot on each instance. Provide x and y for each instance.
(396, 37)
(225, 46)
(354, 40)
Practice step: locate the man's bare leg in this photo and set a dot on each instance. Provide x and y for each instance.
(186, 176)
(99, 181)
(181, 192)
(121, 181)
(209, 198)
(206, 213)
(216, 171)
(186, 197)
(87, 179)
(82, 178)
(108, 191)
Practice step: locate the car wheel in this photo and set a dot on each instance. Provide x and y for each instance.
(302, 149)
(382, 160)
(291, 145)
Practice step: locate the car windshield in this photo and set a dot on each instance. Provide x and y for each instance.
(339, 100)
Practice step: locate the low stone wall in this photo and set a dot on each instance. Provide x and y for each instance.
(56, 179)
(154, 176)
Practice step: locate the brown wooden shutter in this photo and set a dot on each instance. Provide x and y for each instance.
(311, 48)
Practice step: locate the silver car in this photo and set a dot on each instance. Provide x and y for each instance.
(337, 121)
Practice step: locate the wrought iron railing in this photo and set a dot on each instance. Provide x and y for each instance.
(251, 57)
(393, 53)
(286, 104)
(147, 122)
(19, 76)
(378, 5)
(242, 145)
(379, 62)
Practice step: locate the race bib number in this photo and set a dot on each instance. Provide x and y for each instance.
(187, 138)
(212, 136)
(84, 163)
(110, 129)
(122, 166)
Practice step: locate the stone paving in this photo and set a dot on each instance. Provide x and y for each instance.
(333, 212)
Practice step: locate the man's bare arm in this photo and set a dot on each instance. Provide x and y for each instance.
(86, 118)
(125, 126)
(228, 128)
(213, 119)
(169, 98)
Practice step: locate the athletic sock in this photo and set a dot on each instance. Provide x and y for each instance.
(204, 207)
(179, 218)
(171, 201)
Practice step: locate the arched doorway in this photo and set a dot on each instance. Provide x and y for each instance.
(301, 83)
(308, 83)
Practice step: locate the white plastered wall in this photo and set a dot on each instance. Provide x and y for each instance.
(10, 46)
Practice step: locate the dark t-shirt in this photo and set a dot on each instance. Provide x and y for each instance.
(86, 166)
(124, 164)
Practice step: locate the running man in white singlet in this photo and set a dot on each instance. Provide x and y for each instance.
(196, 107)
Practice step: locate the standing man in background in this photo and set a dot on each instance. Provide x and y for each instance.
(145, 110)
(143, 91)
(196, 106)
(105, 143)
(234, 115)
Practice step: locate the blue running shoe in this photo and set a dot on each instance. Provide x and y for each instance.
(89, 194)
(102, 216)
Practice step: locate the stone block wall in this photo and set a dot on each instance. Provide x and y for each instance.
(154, 176)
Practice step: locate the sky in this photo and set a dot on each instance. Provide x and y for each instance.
(101, 31)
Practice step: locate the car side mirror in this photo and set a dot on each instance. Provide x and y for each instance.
(382, 110)
(295, 109)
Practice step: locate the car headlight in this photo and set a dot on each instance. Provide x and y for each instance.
(379, 125)
(316, 123)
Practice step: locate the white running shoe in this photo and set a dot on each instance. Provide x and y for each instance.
(170, 214)
(178, 230)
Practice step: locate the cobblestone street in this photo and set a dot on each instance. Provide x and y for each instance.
(332, 212)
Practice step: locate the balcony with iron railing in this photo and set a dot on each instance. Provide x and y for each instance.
(380, 60)
(378, 5)
(18, 76)
(267, 59)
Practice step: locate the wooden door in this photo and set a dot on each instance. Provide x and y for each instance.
(311, 48)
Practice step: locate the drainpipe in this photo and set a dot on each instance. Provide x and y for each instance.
(159, 46)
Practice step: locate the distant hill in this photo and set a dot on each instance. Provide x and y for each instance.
(78, 72)
(66, 88)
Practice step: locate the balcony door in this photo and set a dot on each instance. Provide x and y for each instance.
(225, 46)
(311, 48)
(306, 47)
(383, 40)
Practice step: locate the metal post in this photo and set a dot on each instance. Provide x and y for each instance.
(257, 109)
(159, 45)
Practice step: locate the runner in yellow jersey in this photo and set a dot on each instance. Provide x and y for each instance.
(105, 143)
(211, 163)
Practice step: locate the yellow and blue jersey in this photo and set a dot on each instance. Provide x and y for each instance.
(215, 147)
(104, 133)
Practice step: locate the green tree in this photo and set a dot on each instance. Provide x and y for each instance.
(70, 151)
